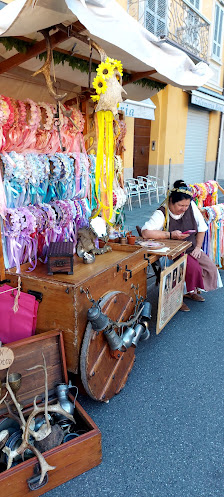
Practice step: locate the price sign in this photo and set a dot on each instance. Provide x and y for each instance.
(6, 357)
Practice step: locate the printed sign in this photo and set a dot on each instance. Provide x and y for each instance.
(6, 357)
(171, 292)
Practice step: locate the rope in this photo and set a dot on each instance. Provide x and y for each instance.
(16, 301)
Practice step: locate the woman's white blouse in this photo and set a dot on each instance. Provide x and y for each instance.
(156, 221)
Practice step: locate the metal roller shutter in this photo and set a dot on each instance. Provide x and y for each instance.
(196, 145)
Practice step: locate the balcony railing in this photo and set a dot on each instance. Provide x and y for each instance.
(178, 22)
(188, 29)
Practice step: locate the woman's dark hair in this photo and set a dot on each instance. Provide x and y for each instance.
(178, 192)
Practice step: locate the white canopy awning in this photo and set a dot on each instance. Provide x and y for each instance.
(142, 110)
(109, 25)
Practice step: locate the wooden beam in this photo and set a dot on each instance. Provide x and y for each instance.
(139, 75)
(36, 49)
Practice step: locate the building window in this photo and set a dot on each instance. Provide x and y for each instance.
(217, 34)
(156, 17)
(195, 3)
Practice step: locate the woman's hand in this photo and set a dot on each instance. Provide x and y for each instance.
(178, 235)
(196, 253)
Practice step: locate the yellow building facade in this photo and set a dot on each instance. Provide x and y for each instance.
(185, 137)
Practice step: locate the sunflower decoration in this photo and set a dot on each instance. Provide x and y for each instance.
(105, 69)
(99, 84)
(95, 98)
(108, 86)
(117, 65)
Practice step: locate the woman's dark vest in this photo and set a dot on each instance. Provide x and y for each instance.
(186, 222)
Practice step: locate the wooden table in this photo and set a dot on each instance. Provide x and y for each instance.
(177, 247)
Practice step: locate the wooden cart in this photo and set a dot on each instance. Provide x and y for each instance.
(64, 306)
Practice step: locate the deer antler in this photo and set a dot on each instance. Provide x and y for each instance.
(12, 415)
(15, 401)
(45, 467)
(25, 443)
(3, 398)
(45, 69)
(68, 114)
(45, 429)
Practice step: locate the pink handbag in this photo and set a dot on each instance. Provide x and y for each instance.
(17, 325)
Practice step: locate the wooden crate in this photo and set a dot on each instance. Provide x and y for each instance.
(71, 458)
(63, 305)
(60, 258)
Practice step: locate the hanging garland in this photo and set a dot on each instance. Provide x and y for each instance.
(23, 46)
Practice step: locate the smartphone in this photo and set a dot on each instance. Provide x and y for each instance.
(188, 232)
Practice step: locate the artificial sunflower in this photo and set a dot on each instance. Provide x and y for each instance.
(117, 65)
(105, 69)
(99, 84)
(95, 98)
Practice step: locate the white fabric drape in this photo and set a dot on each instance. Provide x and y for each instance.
(120, 35)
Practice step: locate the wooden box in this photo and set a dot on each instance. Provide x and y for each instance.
(65, 307)
(71, 458)
(60, 258)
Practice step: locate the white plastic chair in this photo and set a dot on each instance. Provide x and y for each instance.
(153, 185)
(132, 190)
(161, 186)
(144, 187)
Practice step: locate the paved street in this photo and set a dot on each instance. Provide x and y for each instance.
(162, 436)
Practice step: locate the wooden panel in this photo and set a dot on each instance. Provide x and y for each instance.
(142, 131)
(28, 353)
(104, 375)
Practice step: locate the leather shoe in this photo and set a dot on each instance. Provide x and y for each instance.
(184, 308)
(194, 296)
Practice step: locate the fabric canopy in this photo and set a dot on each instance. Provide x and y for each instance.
(109, 25)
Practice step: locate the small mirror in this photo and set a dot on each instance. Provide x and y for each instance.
(98, 226)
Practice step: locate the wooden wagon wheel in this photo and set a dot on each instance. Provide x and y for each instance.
(103, 375)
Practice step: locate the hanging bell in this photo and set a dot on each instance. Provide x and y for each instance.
(145, 335)
(139, 330)
(146, 310)
(114, 341)
(141, 333)
(127, 338)
(98, 320)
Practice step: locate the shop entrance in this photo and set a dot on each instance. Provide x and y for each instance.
(142, 128)
(196, 145)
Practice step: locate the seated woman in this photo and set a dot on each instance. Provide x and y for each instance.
(179, 215)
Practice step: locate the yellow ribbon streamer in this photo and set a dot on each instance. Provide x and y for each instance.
(104, 174)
